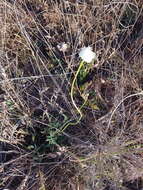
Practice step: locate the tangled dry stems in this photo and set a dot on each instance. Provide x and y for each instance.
(104, 151)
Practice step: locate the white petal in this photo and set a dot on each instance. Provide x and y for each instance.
(86, 54)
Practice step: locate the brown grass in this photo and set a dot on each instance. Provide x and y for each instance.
(104, 150)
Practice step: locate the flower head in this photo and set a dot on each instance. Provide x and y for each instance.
(63, 47)
(86, 54)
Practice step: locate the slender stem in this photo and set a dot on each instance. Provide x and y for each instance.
(72, 87)
(73, 102)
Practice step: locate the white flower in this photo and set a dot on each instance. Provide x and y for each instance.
(62, 47)
(86, 54)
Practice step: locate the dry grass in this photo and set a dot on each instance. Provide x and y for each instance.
(104, 150)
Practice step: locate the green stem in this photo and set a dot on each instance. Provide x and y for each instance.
(73, 102)
(72, 87)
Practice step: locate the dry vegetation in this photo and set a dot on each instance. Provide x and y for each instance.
(104, 150)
